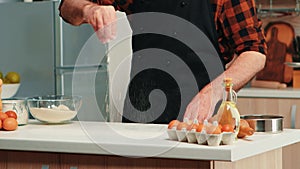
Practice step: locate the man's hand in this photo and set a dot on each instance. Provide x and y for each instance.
(203, 104)
(103, 19)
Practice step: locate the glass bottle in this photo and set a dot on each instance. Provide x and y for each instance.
(228, 113)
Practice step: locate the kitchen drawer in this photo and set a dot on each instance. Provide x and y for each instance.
(32, 160)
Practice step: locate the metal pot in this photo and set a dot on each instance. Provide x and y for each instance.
(18, 106)
(264, 123)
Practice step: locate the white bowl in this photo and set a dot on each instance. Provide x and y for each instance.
(9, 90)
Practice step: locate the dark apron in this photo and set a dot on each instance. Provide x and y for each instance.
(161, 85)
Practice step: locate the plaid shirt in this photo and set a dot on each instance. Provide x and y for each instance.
(237, 25)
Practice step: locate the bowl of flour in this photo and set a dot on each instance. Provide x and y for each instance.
(54, 108)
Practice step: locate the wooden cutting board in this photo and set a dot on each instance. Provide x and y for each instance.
(279, 37)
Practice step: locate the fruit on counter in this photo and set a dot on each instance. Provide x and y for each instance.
(245, 129)
(3, 116)
(10, 124)
(10, 77)
(173, 123)
(11, 113)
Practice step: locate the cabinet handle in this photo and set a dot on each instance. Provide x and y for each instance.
(45, 166)
(293, 116)
(73, 167)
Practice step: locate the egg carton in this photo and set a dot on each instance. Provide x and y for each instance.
(202, 138)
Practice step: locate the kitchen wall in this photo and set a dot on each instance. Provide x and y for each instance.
(284, 46)
(280, 10)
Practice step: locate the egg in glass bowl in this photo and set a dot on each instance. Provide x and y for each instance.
(54, 108)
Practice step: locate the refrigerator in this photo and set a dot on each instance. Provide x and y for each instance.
(81, 68)
(54, 57)
(27, 45)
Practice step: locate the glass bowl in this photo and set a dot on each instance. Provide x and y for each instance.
(54, 108)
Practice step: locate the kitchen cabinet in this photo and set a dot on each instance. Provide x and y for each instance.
(40, 160)
(289, 108)
(22, 160)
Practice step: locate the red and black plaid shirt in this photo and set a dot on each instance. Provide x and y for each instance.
(238, 27)
(237, 24)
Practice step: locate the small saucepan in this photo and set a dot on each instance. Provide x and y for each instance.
(264, 123)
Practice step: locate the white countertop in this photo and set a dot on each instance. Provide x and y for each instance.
(142, 140)
(289, 92)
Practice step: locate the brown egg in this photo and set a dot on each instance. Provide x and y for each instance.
(11, 113)
(182, 125)
(173, 123)
(200, 127)
(3, 116)
(10, 124)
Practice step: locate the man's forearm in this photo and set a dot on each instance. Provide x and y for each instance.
(243, 69)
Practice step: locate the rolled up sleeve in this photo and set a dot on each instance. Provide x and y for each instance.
(241, 26)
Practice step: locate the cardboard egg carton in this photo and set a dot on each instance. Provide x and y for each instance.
(202, 137)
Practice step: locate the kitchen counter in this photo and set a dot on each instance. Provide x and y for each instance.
(134, 140)
(289, 92)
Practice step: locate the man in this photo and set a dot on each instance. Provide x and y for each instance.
(231, 26)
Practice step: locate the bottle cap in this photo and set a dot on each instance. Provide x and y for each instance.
(228, 80)
(228, 83)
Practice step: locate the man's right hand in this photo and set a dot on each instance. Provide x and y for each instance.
(103, 19)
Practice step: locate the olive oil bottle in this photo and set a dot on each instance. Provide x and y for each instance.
(228, 113)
